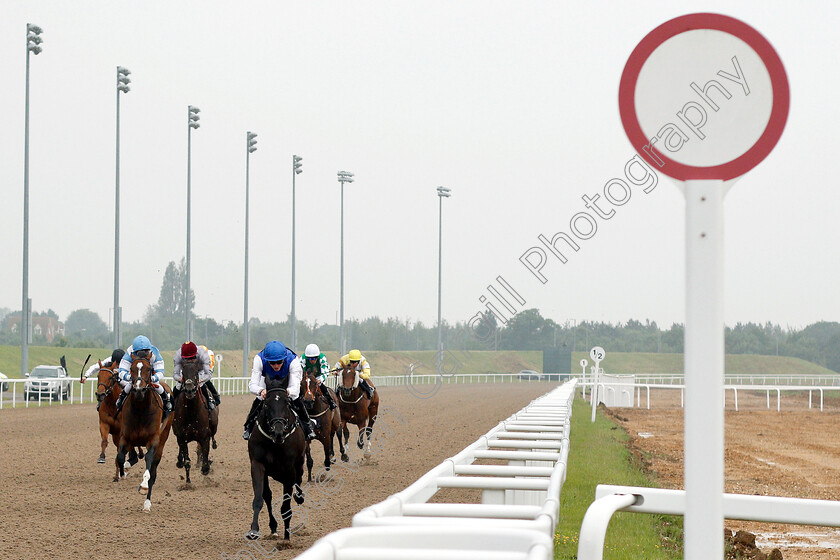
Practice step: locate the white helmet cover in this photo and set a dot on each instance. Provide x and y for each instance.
(312, 351)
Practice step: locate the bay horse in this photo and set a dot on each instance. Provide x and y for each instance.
(191, 421)
(141, 425)
(328, 422)
(108, 389)
(276, 450)
(356, 408)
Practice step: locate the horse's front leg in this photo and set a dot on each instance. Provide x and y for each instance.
(360, 440)
(184, 457)
(309, 462)
(286, 510)
(120, 461)
(272, 521)
(205, 455)
(104, 430)
(258, 476)
(153, 454)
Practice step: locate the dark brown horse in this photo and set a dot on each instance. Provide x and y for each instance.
(107, 391)
(276, 450)
(328, 422)
(191, 421)
(141, 425)
(356, 408)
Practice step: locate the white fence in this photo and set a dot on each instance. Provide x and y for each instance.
(519, 506)
(86, 393)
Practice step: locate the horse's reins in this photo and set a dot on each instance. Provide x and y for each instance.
(259, 425)
(309, 391)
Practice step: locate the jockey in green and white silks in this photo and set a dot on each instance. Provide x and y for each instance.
(314, 362)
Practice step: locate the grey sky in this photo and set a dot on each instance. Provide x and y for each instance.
(513, 105)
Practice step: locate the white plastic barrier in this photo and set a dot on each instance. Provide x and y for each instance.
(770, 509)
(519, 506)
(423, 543)
(523, 494)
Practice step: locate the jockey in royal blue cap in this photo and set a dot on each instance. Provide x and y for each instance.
(279, 363)
(142, 348)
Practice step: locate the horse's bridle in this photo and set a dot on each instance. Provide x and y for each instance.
(347, 390)
(109, 387)
(285, 432)
(316, 394)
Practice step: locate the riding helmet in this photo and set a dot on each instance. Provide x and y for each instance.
(117, 355)
(354, 356)
(141, 343)
(274, 351)
(312, 351)
(188, 350)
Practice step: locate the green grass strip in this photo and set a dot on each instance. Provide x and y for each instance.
(599, 455)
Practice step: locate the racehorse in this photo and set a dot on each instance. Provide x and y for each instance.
(108, 390)
(141, 425)
(276, 449)
(356, 408)
(328, 422)
(191, 421)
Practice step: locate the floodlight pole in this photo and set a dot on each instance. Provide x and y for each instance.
(343, 177)
(192, 122)
(250, 146)
(122, 86)
(33, 40)
(297, 167)
(442, 193)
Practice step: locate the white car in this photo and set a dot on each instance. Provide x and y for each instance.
(5, 385)
(49, 381)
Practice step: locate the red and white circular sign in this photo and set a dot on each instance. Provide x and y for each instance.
(704, 96)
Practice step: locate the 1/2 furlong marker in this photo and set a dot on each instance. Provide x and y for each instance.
(704, 98)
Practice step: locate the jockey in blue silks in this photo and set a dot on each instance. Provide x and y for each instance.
(280, 364)
(142, 348)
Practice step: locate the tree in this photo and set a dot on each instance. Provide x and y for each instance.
(86, 323)
(171, 300)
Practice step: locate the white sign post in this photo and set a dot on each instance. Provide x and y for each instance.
(583, 364)
(597, 354)
(703, 99)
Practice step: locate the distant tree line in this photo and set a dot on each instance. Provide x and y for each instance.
(163, 323)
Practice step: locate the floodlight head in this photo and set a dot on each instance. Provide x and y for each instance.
(124, 79)
(35, 49)
(123, 88)
(297, 158)
(123, 71)
(32, 38)
(194, 125)
(32, 28)
(194, 110)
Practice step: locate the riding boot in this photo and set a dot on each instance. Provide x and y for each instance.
(176, 390)
(214, 392)
(211, 402)
(305, 421)
(167, 405)
(120, 402)
(367, 388)
(327, 396)
(251, 419)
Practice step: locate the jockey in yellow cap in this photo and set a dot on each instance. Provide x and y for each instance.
(355, 360)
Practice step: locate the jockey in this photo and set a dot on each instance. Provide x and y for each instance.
(114, 358)
(355, 360)
(188, 352)
(279, 363)
(314, 361)
(142, 348)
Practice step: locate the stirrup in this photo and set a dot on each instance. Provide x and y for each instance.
(246, 435)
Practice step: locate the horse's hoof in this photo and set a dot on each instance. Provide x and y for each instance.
(147, 506)
(214, 446)
(126, 465)
(101, 459)
(252, 535)
(205, 470)
(360, 445)
(345, 458)
(179, 464)
(116, 479)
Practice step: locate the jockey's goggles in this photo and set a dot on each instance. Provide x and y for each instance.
(353, 362)
(142, 353)
(312, 358)
(276, 363)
